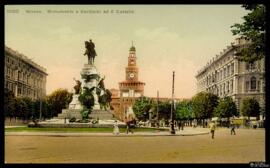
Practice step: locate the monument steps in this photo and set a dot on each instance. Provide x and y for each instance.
(95, 114)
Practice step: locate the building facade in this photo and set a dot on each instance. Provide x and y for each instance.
(224, 75)
(24, 77)
(115, 103)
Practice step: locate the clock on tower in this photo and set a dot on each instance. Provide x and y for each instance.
(131, 75)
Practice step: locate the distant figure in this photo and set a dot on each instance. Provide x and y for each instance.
(128, 127)
(212, 128)
(116, 128)
(182, 125)
(232, 128)
(179, 125)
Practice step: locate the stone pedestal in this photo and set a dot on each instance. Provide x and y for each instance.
(70, 113)
(75, 103)
(95, 114)
(102, 115)
(91, 71)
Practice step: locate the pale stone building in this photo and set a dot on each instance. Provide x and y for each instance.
(24, 77)
(224, 75)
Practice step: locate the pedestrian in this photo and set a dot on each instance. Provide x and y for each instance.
(232, 128)
(179, 125)
(116, 128)
(182, 125)
(212, 128)
(128, 128)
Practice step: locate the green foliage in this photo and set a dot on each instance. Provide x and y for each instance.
(226, 108)
(24, 108)
(141, 108)
(252, 29)
(85, 114)
(9, 103)
(184, 110)
(164, 110)
(203, 105)
(105, 99)
(87, 98)
(58, 100)
(44, 109)
(250, 107)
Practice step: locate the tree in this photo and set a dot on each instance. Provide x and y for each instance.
(105, 99)
(226, 108)
(141, 108)
(58, 100)
(250, 107)
(9, 104)
(44, 109)
(184, 110)
(253, 30)
(204, 104)
(164, 110)
(24, 108)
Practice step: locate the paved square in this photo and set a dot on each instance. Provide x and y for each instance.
(248, 145)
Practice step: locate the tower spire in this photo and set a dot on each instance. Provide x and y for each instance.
(132, 48)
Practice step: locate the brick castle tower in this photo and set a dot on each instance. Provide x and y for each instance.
(131, 88)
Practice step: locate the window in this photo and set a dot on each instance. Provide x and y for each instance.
(231, 86)
(6, 84)
(247, 86)
(253, 83)
(232, 68)
(19, 90)
(221, 74)
(250, 66)
(247, 66)
(224, 89)
(228, 87)
(19, 75)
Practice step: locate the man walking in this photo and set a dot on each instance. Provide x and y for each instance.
(212, 128)
(232, 128)
(128, 127)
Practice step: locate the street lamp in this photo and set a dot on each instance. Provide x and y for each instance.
(172, 108)
(40, 109)
(157, 108)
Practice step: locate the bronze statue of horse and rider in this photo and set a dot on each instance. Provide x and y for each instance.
(90, 51)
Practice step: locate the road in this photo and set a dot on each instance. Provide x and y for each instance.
(248, 145)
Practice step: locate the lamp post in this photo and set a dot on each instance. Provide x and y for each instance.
(172, 107)
(157, 108)
(40, 109)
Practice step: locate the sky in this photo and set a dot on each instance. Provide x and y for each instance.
(180, 38)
